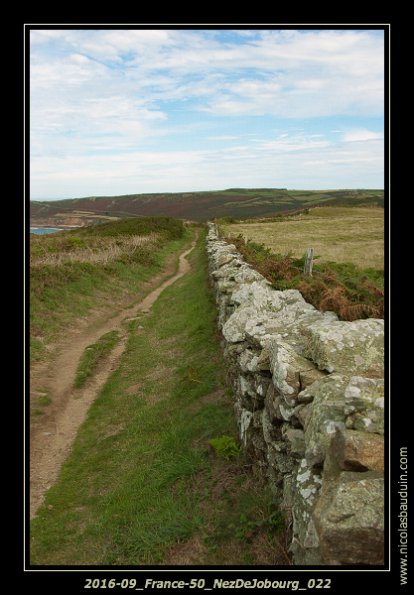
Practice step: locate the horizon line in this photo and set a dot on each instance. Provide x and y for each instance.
(203, 191)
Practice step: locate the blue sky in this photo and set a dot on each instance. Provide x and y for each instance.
(130, 111)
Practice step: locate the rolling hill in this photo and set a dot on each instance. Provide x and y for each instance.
(196, 206)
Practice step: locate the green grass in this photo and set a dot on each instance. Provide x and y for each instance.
(108, 270)
(38, 403)
(337, 234)
(44, 400)
(93, 356)
(142, 486)
(225, 447)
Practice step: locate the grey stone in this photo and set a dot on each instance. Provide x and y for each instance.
(245, 274)
(261, 385)
(234, 328)
(286, 366)
(256, 293)
(227, 258)
(256, 445)
(246, 386)
(307, 484)
(349, 519)
(305, 556)
(285, 320)
(279, 460)
(227, 272)
(248, 360)
(245, 418)
(250, 399)
(225, 286)
(260, 330)
(285, 411)
(288, 494)
(326, 416)
(347, 347)
(364, 404)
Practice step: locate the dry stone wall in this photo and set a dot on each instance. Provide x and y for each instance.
(310, 409)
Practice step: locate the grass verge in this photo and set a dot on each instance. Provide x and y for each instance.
(93, 355)
(142, 485)
(76, 271)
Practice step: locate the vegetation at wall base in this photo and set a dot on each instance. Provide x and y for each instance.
(225, 447)
(343, 288)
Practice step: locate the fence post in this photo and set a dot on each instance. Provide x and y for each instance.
(307, 269)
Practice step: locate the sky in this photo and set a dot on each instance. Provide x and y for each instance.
(133, 111)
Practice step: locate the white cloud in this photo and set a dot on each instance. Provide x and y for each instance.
(223, 137)
(297, 74)
(361, 135)
(295, 162)
(117, 109)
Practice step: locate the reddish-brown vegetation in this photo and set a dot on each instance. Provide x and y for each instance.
(351, 293)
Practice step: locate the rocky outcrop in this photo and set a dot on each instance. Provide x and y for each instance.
(310, 409)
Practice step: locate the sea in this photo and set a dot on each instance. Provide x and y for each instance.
(44, 230)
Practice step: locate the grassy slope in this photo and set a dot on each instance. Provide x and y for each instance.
(142, 486)
(75, 271)
(336, 234)
(200, 206)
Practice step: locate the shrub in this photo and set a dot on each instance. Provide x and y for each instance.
(225, 447)
(340, 287)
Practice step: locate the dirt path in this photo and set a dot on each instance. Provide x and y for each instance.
(52, 437)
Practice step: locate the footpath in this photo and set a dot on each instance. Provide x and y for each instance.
(141, 483)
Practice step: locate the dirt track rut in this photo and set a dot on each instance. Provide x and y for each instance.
(52, 437)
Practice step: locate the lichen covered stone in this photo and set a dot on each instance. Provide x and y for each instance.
(286, 366)
(364, 404)
(306, 487)
(349, 519)
(327, 415)
(346, 347)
